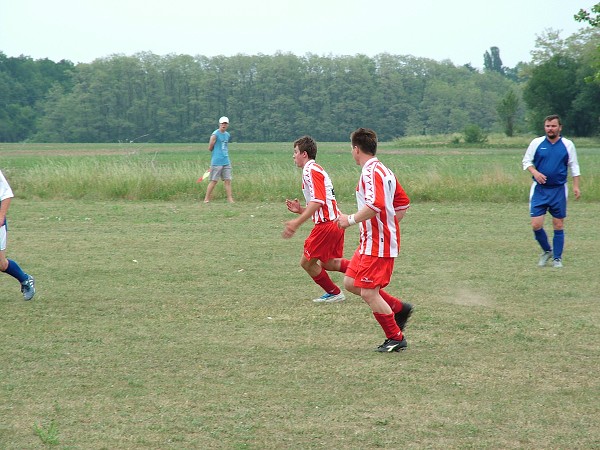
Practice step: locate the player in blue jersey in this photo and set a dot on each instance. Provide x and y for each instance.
(220, 164)
(549, 158)
(9, 266)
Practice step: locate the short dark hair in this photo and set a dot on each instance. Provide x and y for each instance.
(365, 139)
(552, 117)
(308, 145)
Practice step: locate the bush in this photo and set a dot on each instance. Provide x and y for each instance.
(473, 134)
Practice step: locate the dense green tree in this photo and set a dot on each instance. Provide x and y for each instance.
(562, 81)
(23, 83)
(492, 61)
(508, 109)
(551, 90)
(177, 98)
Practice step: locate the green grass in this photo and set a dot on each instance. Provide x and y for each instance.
(265, 172)
(175, 325)
(161, 322)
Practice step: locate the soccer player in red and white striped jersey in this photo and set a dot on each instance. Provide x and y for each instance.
(382, 203)
(324, 247)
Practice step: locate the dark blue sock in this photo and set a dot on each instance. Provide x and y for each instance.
(542, 238)
(559, 243)
(14, 270)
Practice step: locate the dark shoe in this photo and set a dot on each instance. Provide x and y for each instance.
(391, 345)
(402, 316)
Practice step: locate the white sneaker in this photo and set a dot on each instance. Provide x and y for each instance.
(557, 263)
(544, 258)
(330, 298)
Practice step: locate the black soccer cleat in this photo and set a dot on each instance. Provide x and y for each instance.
(391, 345)
(403, 315)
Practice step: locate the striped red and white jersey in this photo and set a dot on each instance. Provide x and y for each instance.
(317, 187)
(379, 189)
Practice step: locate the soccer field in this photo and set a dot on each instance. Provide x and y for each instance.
(172, 324)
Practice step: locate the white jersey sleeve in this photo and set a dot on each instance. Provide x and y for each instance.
(5, 190)
(573, 163)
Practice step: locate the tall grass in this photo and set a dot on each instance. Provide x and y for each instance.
(265, 172)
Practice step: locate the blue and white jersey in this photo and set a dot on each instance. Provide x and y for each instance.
(553, 160)
(220, 153)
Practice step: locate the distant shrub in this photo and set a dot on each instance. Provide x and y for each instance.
(473, 134)
(455, 140)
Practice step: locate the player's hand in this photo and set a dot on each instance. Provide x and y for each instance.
(540, 177)
(342, 221)
(576, 191)
(293, 206)
(289, 230)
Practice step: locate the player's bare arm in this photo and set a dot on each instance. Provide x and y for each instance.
(365, 213)
(539, 176)
(292, 225)
(576, 189)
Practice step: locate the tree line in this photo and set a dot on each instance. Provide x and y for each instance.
(178, 98)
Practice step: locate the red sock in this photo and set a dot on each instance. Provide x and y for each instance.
(344, 265)
(389, 325)
(325, 282)
(395, 303)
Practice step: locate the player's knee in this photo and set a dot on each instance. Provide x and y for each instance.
(349, 286)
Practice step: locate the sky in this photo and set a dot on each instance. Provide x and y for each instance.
(460, 31)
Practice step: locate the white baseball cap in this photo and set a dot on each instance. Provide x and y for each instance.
(224, 119)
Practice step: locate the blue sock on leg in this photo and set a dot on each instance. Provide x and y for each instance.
(559, 243)
(15, 271)
(542, 238)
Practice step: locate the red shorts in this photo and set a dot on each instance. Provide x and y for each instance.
(370, 271)
(325, 242)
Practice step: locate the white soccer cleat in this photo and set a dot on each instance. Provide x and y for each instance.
(544, 258)
(330, 298)
(28, 288)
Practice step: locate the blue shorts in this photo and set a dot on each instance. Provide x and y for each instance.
(543, 199)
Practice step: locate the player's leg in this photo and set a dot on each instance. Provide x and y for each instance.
(209, 189)
(537, 209)
(373, 298)
(558, 209)
(226, 175)
(385, 317)
(350, 274)
(558, 240)
(402, 310)
(336, 265)
(13, 269)
(324, 243)
(374, 273)
(227, 184)
(537, 224)
(320, 276)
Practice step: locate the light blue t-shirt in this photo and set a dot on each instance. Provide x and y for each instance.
(220, 153)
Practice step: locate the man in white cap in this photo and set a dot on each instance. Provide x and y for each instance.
(220, 164)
